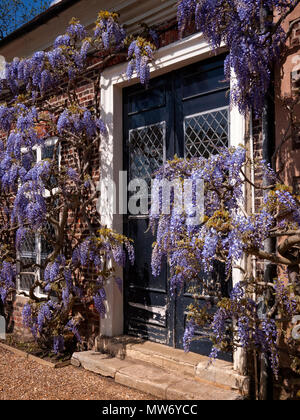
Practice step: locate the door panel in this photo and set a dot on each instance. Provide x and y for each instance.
(148, 135)
(187, 113)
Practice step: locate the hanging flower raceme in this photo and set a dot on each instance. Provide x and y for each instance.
(54, 268)
(253, 46)
(14, 160)
(140, 56)
(7, 279)
(76, 31)
(251, 330)
(30, 204)
(80, 121)
(39, 73)
(101, 252)
(108, 32)
(7, 115)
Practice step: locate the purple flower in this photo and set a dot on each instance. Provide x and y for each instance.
(73, 327)
(99, 302)
(189, 335)
(3, 294)
(45, 314)
(72, 174)
(62, 40)
(109, 32)
(251, 53)
(26, 314)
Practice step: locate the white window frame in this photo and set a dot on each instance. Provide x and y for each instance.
(51, 141)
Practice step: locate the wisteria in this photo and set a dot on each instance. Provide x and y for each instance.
(109, 32)
(250, 330)
(7, 279)
(189, 334)
(224, 233)
(140, 56)
(254, 41)
(46, 201)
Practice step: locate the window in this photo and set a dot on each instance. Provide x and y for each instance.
(35, 248)
(205, 132)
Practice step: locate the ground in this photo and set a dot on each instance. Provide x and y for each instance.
(21, 379)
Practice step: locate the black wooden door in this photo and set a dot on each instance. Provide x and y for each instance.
(186, 113)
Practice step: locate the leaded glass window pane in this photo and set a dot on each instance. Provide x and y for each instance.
(146, 150)
(206, 132)
(47, 247)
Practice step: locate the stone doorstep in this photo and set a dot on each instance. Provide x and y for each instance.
(102, 364)
(151, 379)
(189, 365)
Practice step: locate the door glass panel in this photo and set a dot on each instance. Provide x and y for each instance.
(146, 150)
(204, 82)
(140, 102)
(204, 133)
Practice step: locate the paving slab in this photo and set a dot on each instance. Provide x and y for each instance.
(222, 373)
(151, 379)
(101, 364)
(189, 390)
(165, 357)
(168, 386)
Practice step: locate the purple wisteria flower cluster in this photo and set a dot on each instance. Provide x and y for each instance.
(48, 185)
(7, 279)
(224, 233)
(140, 56)
(40, 72)
(80, 121)
(98, 254)
(250, 331)
(254, 42)
(109, 32)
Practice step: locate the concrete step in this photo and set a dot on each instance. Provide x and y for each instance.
(189, 365)
(150, 379)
